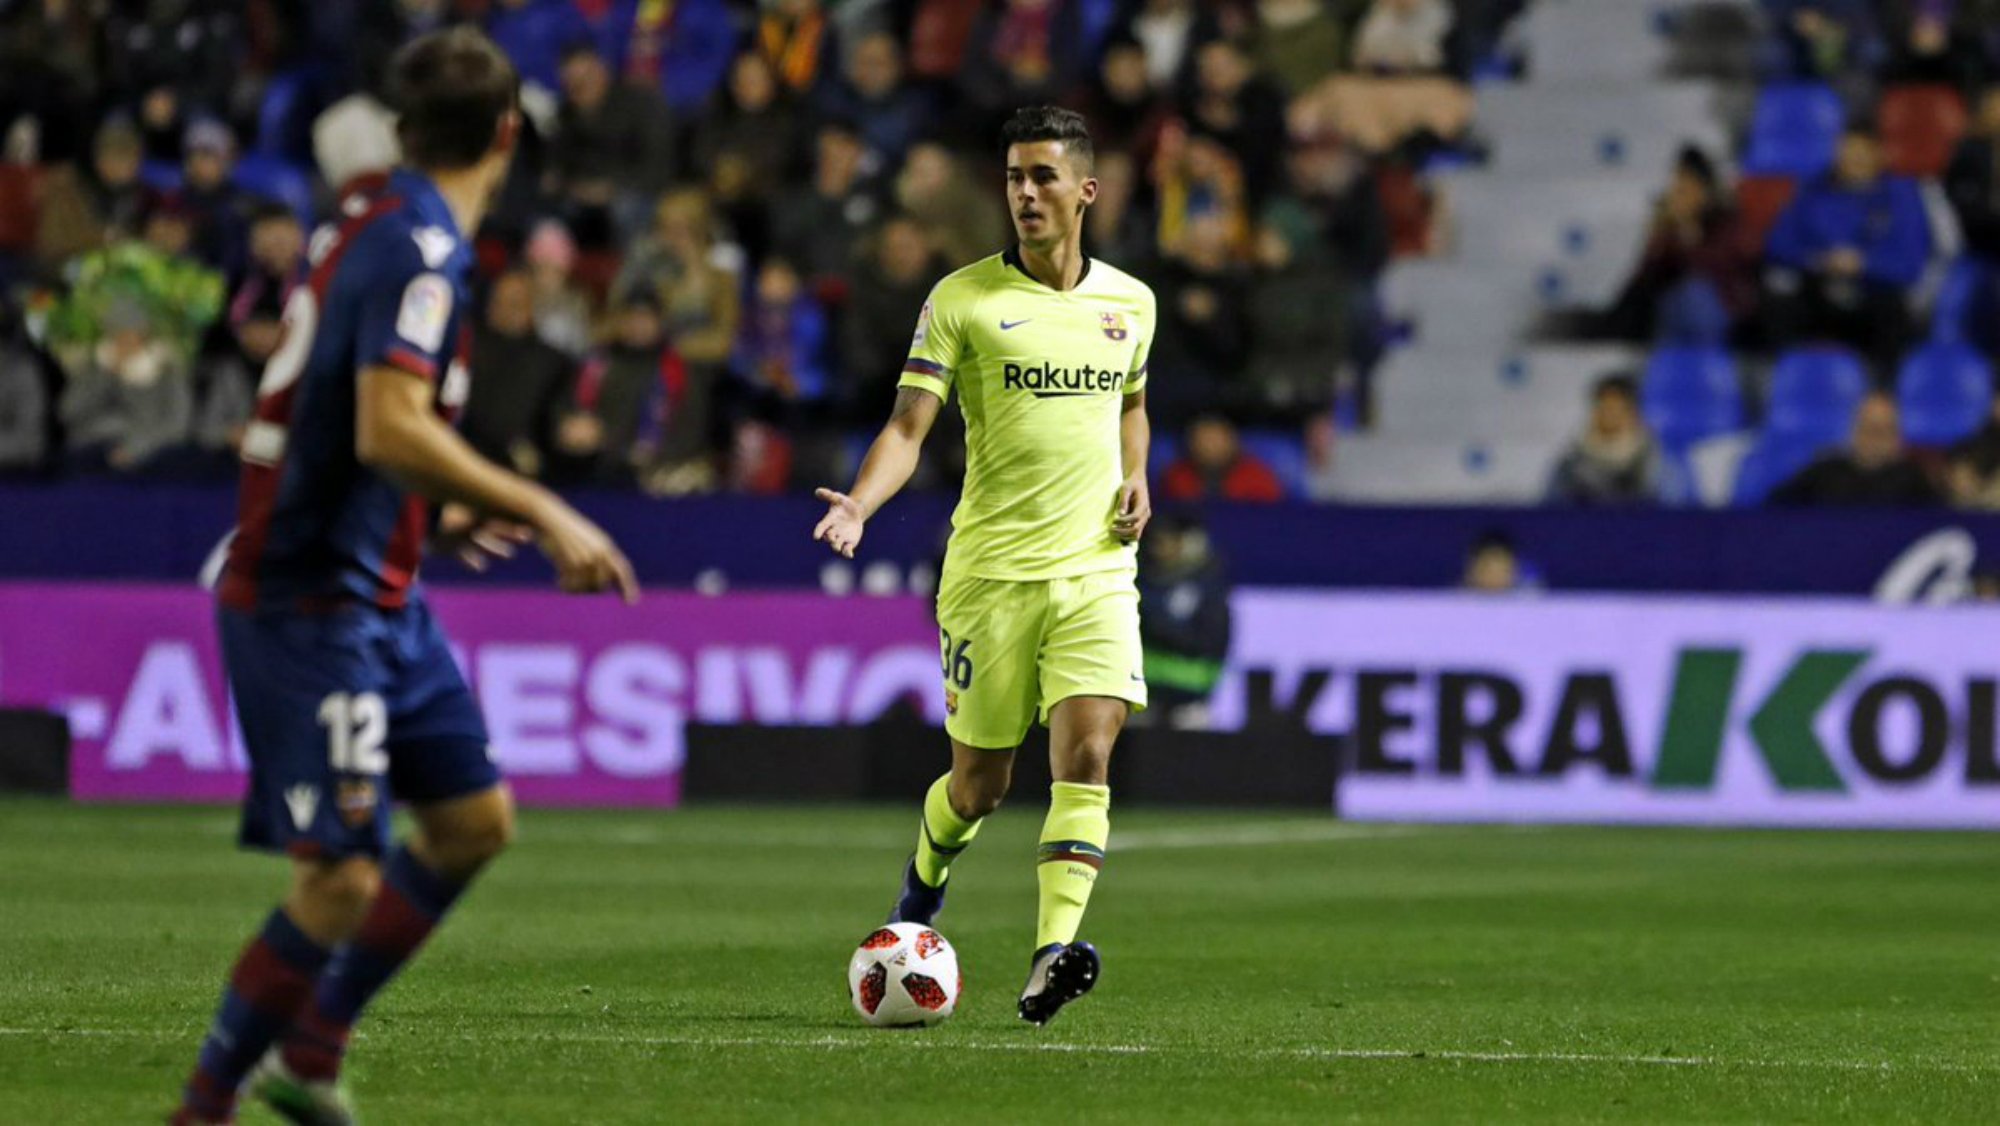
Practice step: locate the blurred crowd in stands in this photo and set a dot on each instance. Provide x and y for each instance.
(724, 216)
(1849, 262)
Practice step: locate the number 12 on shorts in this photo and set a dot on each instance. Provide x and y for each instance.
(957, 662)
(356, 727)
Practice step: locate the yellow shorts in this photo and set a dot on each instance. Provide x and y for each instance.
(1014, 650)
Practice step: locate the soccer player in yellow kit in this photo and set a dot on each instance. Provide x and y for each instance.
(1038, 608)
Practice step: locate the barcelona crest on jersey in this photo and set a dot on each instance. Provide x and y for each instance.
(1114, 325)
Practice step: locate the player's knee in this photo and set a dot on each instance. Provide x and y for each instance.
(339, 889)
(472, 846)
(470, 843)
(1088, 761)
(979, 799)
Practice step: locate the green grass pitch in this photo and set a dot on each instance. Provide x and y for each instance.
(690, 968)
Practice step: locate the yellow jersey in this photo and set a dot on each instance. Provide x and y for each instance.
(1042, 377)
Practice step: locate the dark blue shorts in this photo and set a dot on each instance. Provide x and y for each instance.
(343, 712)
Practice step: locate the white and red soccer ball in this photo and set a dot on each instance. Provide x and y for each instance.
(904, 975)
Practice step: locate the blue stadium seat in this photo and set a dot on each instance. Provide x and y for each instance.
(1794, 130)
(284, 119)
(1162, 453)
(1690, 394)
(1945, 391)
(1693, 313)
(854, 447)
(1678, 485)
(1957, 297)
(274, 178)
(160, 175)
(1284, 452)
(1814, 393)
(1775, 459)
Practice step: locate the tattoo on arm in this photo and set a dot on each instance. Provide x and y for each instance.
(908, 400)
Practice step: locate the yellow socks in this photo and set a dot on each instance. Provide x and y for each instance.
(1072, 851)
(942, 835)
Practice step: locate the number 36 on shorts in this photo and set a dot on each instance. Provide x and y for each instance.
(1011, 651)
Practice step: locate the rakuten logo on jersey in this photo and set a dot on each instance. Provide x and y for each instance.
(1047, 381)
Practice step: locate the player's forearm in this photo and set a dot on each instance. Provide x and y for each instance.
(892, 457)
(891, 461)
(1135, 438)
(426, 456)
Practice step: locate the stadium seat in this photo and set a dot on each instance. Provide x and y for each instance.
(1165, 449)
(491, 254)
(18, 185)
(596, 270)
(275, 178)
(854, 450)
(1775, 459)
(939, 34)
(1284, 453)
(1096, 20)
(1814, 393)
(284, 119)
(1691, 394)
(1692, 314)
(1957, 297)
(1793, 130)
(1759, 202)
(1407, 209)
(1945, 391)
(1920, 127)
(160, 175)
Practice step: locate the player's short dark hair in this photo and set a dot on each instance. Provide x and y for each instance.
(1050, 123)
(840, 125)
(267, 210)
(451, 89)
(642, 297)
(1617, 383)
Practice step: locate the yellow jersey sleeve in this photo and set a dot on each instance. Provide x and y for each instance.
(1135, 379)
(938, 347)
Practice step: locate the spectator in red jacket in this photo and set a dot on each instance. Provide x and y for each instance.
(1214, 466)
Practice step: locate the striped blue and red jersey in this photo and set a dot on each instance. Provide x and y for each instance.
(387, 287)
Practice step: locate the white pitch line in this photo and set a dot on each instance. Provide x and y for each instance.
(874, 1042)
(1243, 835)
(1141, 840)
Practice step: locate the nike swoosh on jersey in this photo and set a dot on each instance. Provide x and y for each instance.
(1005, 325)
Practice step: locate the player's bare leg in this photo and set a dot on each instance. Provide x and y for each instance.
(458, 838)
(1082, 731)
(953, 810)
(329, 898)
(454, 840)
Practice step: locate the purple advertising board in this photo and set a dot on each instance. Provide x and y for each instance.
(1770, 711)
(587, 700)
(1682, 711)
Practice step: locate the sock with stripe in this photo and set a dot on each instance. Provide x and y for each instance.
(942, 834)
(271, 982)
(1072, 851)
(410, 905)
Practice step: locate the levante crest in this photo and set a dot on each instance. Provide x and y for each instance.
(1114, 325)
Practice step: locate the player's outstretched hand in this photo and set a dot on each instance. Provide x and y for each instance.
(476, 539)
(585, 558)
(1135, 509)
(840, 529)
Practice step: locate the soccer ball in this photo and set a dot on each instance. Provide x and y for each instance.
(904, 975)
